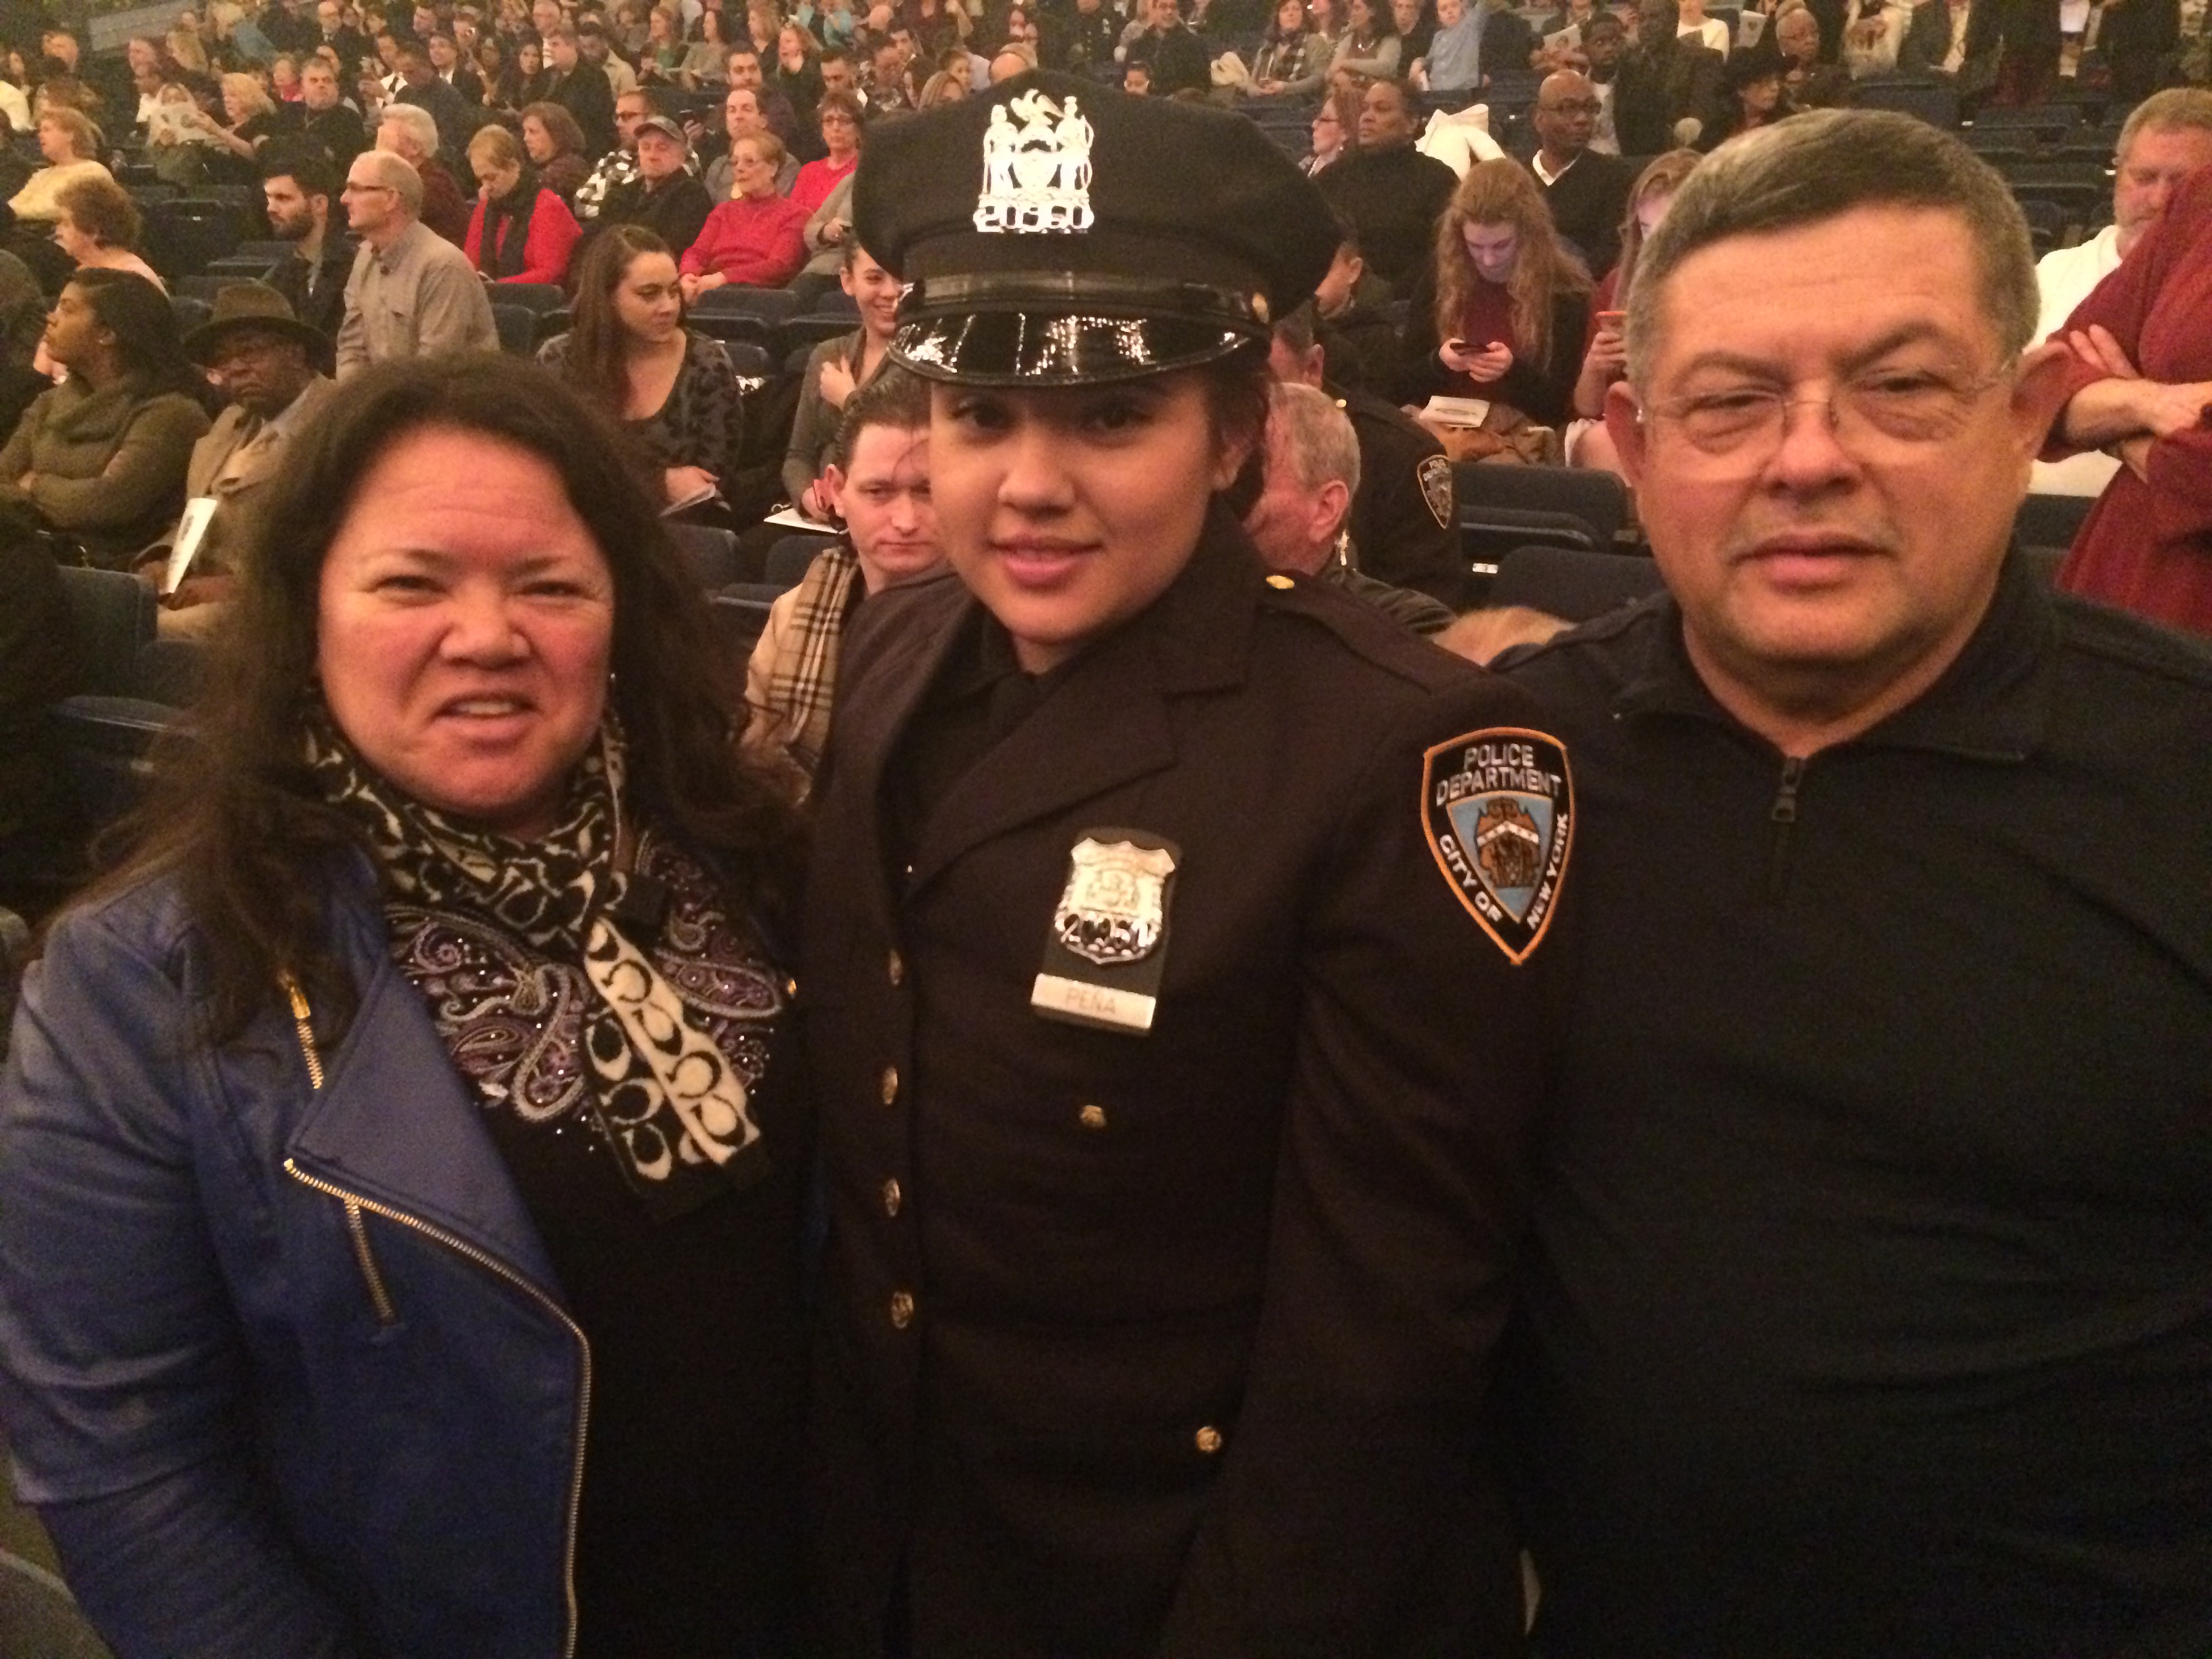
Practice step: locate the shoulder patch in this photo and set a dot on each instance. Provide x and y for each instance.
(1498, 810)
(1435, 474)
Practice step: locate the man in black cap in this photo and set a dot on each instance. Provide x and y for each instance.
(1176, 959)
(275, 372)
(664, 197)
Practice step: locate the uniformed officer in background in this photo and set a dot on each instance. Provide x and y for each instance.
(1180, 953)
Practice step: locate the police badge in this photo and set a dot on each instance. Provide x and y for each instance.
(1036, 167)
(1498, 810)
(1104, 953)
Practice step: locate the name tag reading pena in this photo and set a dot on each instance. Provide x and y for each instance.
(1106, 948)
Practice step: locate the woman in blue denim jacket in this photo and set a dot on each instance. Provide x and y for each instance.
(399, 1201)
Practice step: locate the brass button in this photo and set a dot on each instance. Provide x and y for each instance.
(1207, 1440)
(1093, 1117)
(902, 1311)
(891, 1085)
(791, 987)
(1278, 580)
(897, 970)
(891, 1198)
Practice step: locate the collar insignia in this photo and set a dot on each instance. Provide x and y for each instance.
(1036, 175)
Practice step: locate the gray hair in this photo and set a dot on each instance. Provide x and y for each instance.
(1816, 167)
(421, 131)
(2176, 109)
(1318, 440)
(394, 172)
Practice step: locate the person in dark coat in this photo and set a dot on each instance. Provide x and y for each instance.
(1392, 193)
(1172, 1058)
(1663, 80)
(579, 87)
(665, 197)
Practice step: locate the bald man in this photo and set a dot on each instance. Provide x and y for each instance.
(1586, 191)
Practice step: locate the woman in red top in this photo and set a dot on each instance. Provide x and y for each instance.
(520, 232)
(1503, 310)
(2145, 387)
(756, 239)
(839, 114)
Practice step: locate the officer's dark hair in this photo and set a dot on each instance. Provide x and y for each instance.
(1819, 166)
(1236, 388)
(1297, 328)
(891, 397)
(836, 52)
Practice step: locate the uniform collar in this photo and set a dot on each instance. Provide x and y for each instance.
(1992, 703)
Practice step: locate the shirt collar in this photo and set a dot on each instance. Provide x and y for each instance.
(1992, 703)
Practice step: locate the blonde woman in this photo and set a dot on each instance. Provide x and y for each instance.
(1509, 306)
(251, 114)
(1604, 356)
(71, 145)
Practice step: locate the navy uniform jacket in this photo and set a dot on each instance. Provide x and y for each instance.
(1173, 1342)
(1872, 1294)
(1404, 517)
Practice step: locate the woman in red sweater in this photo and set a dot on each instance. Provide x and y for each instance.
(520, 232)
(756, 239)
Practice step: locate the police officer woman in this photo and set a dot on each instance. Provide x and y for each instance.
(1177, 964)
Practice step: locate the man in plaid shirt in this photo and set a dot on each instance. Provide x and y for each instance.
(879, 486)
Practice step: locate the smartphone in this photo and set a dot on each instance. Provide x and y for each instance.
(1611, 318)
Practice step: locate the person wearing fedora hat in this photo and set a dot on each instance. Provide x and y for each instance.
(274, 370)
(1178, 962)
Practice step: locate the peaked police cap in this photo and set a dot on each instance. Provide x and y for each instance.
(1059, 232)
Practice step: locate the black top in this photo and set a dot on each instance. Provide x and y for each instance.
(675, 211)
(1870, 1308)
(1395, 197)
(586, 94)
(687, 1540)
(1587, 202)
(316, 288)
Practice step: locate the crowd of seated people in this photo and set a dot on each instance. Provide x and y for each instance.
(414, 163)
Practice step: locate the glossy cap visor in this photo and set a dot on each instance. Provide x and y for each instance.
(1028, 347)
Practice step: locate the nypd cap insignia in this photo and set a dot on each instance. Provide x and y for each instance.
(1054, 231)
(1498, 812)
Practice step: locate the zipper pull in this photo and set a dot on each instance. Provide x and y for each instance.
(303, 1023)
(1784, 810)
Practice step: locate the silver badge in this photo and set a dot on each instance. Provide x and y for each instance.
(1036, 167)
(1114, 908)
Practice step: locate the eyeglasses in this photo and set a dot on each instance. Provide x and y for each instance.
(1747, 424)
(1573, 107)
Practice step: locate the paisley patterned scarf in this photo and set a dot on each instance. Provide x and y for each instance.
(664, 1095)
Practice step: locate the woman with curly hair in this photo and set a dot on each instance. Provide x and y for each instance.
(1504, 308)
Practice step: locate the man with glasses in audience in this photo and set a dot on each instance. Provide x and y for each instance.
(1869, 1307)
(1586, 191)
(412, 294)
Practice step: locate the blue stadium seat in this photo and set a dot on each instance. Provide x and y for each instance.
(1571, 583)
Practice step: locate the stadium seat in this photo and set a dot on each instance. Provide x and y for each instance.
(729, 326)
(1936, 103)
(1572, 583)
(517, 328)
(788, 557)
(106, 730)
(1599, 499)
(804, 333)
(536, 297)
(712, 554)
(772, 305)
(748, 360)
(192, 311)
(184, 236)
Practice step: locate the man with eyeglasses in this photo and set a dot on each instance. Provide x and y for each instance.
(412, 294)
(1587, 192)
(1868, 1308)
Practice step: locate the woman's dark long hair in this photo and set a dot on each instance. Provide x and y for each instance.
(144, 325)
(598, 351)
(235, 814)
